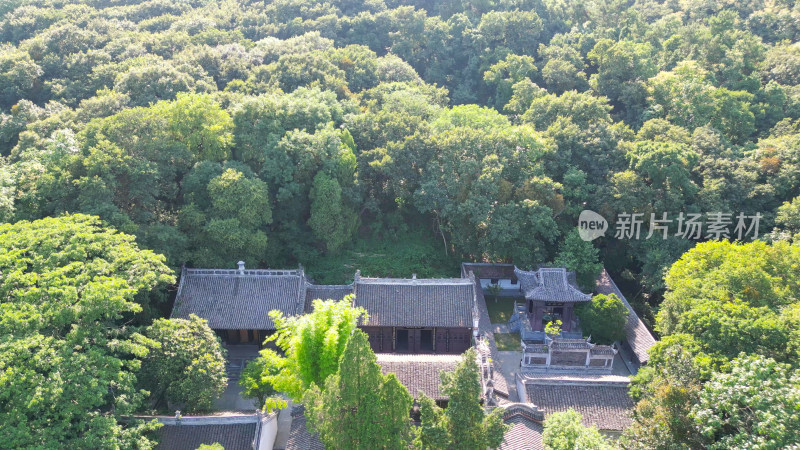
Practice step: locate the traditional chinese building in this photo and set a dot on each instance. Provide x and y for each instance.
(236, 302)
(551, 293)
(417, 315)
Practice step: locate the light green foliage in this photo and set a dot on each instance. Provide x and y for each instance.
(666, 390)
(730, 297)
(471, 116)
(622, 69)
(214, 446)
(603, 319)
(582, 257)
(755, 405)
(553, 328)
(313, 345)
(232, 225)
(360, 408)
(788, 221)
(259, 375)
(464, 424)
(68, 286)
(199, 122)
(564, 431)
(19, 74)
(185, 365)
(506, 73)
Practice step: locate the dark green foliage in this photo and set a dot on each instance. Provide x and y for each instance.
(603, 319)
(582, 257)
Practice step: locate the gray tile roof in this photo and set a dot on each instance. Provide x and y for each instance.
(638, 336)
(551, 284)
(607, 406)
(299, 436)
(238, 436)
(524, 434)
(447, 302)
(419, 373)
(239, 300)
(325, 292)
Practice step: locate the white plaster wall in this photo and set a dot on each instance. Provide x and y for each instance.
(269, 430)
(504, 284)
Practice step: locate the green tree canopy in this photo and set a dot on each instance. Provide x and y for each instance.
(313, 344)
(185, 365)
(603, 318)
(565, 431)
(756, 404)
(464, 424)
(68, 360)
(360, 408)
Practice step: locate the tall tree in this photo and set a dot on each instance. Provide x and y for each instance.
(332, 221)
(68, 362)
(360, 408)
(582, 257)
(464, 424)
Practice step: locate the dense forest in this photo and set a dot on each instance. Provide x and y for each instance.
(334, 134)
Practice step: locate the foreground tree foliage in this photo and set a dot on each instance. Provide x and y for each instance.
(313, 345)
(725, 374)
(185, 366)
(734, 298)
(67, 360)
(756, 404)
(565, 431)
(464, 423)
(260, 374)
(359, 407)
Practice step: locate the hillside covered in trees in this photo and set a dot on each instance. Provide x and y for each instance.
(396, 137)
(334, 134)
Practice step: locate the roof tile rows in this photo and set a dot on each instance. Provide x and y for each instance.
(550, 284)
(238, 436)
(416, 302)
(419, 373)
(524, 434)
(230, 300)
(606, 406)
(325, 292)
(638, 336)
(300, 438)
